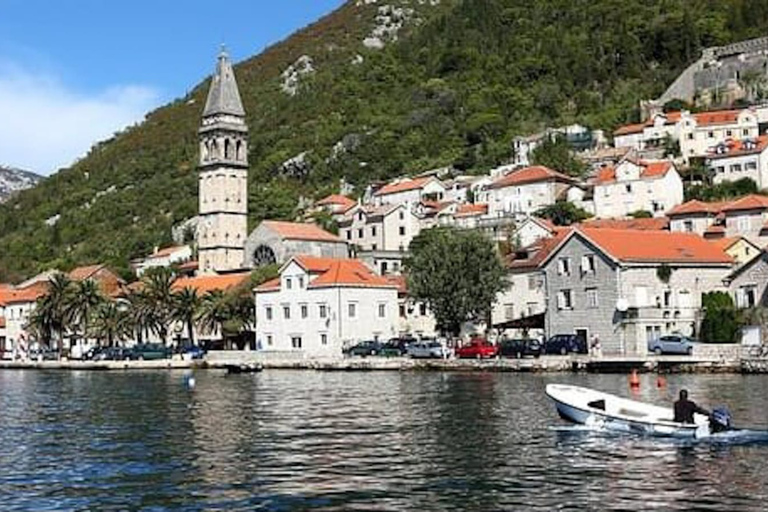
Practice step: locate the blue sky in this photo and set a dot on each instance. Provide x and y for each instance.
(73, 72)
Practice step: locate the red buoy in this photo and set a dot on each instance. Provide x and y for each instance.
(634, 380)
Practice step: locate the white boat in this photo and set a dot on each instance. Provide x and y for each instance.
(603, 410)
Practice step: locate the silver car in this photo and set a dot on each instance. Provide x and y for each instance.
(671, 344)
(429, 349)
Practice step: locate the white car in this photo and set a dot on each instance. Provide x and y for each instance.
(429, 349)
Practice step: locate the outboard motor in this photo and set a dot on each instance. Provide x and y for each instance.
(720, 420)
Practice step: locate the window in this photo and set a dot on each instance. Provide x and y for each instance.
(287, 312)
(288, 283)
(534, 282)
(688, 226)
(690, 136)
(382, 310)
(301, 282)
(402, 310)
(743, 223)
(667, 298)
(751, 165)
(564, 299)
(745, 296)
(588, 264)
(736, 168)
(323, 339)
(373, 230)
(373, 247)
(402, 230)
(509, 311)
(592, 301)
(323, 311)
(423, 309)
(384, 267)
(360, 233)
(402, 215)
(711, 134)
(628, 188)
(304, 311)
(745, 132)
(268, 312)
(729, 133)
(269, 340)
(349, 234)
(296, 342)
(352, 310)
(360, 216)
(720, 169)
(564, 266)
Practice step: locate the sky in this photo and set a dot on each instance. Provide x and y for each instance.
(74, 72)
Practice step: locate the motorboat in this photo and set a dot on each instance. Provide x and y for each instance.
(603, 410)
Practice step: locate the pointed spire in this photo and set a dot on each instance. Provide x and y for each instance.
(223, 96)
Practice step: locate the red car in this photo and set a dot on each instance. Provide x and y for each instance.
(477, 349)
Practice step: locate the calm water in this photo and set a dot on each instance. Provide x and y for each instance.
(357, 441)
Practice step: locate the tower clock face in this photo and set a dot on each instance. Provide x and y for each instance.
(263, 256)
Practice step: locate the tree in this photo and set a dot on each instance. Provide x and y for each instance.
(111, 322)
(456, 273)
(57, 305)
(641, 214)
(563, 213)
(186, 306)
(214, 312)
(555, 153)
(721, 318)
(86, 297)
(159, 295)
(139, 313)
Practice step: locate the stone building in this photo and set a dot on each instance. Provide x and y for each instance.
(630, 286)
(223, 175)
(277, 242)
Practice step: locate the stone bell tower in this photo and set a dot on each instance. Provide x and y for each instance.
(223, 175)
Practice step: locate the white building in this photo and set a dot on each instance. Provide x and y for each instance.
(16, 306)
(525, 191)
(736, 159)
(163, 258)
(695, 132)
(746, 216)
(632, 186)
(389, 227)
(410, 191)
(336, 205)
(319, 305)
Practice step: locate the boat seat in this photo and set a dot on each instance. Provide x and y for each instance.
(597, 404)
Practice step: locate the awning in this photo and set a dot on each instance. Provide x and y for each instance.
(528, 322)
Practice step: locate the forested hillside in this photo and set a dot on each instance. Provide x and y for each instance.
(389, 87)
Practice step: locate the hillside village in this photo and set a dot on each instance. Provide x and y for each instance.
(634, 270)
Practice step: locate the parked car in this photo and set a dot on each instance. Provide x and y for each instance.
(565, 344)
(429, 349)
(148, 352)
(520, 348)
(44, 354)
(112, 354)
(191, 352)
(671, 344)
(397, 346)
(477, 348)
(366, 348)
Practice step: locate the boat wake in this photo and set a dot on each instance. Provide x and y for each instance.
(731, 437)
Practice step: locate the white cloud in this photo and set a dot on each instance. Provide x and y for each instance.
(46, 125)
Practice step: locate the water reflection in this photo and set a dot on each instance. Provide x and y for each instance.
(358, 441)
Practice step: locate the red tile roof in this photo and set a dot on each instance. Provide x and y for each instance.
(532, 256)
(470, 210)
(716, 117)
(300, 231)
(28, 294)
(208, 283)
(628, 129)
(334, 272)
(696, 206)
(403, 185)
(400, 282)
(725, 243)
(533, 174)
(650, 170)
(750, 202)
(645, 224)
(655, 246)
(83, 273)
(167, 251)
(337, 200)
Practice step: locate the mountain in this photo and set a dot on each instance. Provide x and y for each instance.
(15, 180)
(375, 89)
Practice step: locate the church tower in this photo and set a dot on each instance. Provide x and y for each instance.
(223, 175)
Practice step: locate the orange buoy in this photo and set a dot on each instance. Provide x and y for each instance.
(634, 380)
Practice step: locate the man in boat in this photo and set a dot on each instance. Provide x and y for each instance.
(685, 409)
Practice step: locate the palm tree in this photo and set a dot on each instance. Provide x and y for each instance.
(85, 299)
(159, 294)
(111, 323)
(40, 323)
(58, 304)
(186, 307)
(214, 312)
